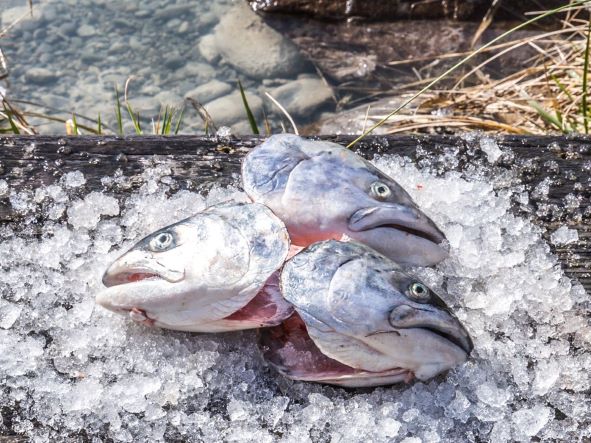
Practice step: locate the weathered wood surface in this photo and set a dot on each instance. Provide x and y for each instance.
(400, 9)
(198, 163)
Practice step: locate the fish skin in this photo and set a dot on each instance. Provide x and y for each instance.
(323, 191)
(359, 310)
(193, 274)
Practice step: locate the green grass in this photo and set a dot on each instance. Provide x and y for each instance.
(249, 114)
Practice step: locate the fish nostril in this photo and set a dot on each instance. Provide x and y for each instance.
(401, 315)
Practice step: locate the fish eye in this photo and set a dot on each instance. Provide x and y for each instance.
(380, 190)
(419, 291)
(161, 242)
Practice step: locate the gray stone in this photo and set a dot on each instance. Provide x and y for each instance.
(174, 11)
(86, 31)
(41, 76)
(174, 61)
(303, 97)
(209, 91)
(252, 47)
(169, 98)
(183, 28)
(146, 106)
(229, 109)
(68, 28)
(208, 48)
(198, 72)
(11, 15)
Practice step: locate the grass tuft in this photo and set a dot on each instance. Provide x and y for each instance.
(249, 114)
(572, 6)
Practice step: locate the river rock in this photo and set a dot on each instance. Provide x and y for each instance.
(254, 48)
(86, 30)
(209, 91)
(208, 48)
(41, 76)
(229, 109)
(11, 15)
(302, 97)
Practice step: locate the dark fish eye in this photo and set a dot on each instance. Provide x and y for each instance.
(161, 242)
(380, 190)
(418, 291)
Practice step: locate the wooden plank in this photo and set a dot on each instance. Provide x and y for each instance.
(199, 162)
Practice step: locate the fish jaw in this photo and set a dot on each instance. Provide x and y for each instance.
(400, 232)
(138, 265)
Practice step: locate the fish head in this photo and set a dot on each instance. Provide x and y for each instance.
(360, 310)
(155, 273)
(194, 273)
(323, 191)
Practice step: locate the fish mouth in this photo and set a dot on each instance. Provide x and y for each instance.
(128, 277)
(438, 321)
(429, 236)
(139, 267)
(290, 350)
(464, 343)
(399, 217)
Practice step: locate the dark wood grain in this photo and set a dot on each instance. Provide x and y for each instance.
(198, 163)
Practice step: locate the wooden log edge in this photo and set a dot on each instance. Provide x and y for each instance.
(28, 162)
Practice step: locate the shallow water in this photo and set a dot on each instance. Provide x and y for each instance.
(71, 55)
(70, 368)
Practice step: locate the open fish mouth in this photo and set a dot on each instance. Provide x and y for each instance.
(127, 277)
(290, 350)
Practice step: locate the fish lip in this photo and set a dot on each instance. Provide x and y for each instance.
(129, 277)
(429, 231)
(464, 343)
(437, 320)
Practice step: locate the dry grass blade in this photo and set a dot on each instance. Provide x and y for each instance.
(282, 109)
(571, 6)
(3, 66)
(486, 21)
(209, 123)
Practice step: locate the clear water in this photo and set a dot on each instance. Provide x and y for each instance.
(72, 53)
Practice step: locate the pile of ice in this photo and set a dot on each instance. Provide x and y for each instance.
(69, 369)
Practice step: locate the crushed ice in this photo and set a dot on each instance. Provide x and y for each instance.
(69, 368)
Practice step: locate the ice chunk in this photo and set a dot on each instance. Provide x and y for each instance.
(564, 236)
(73, 179)
(87, 213)
(9, 314)
(491, 148)
(4, 188)
(530, 421)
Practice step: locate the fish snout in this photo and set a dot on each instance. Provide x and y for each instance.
(397, 216)
(436, 320)
(139, 265)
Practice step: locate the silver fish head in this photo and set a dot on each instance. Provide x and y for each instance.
(322, 190)
(196, 274)
(361, 321)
